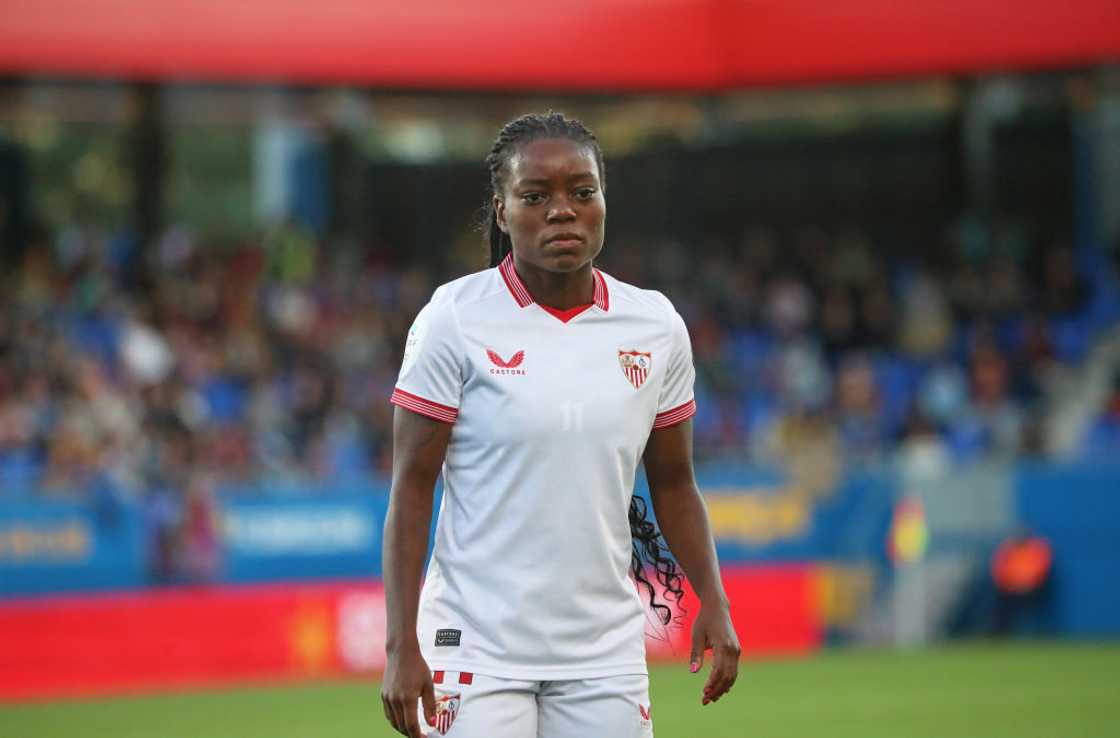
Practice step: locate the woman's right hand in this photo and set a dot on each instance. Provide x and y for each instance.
(407, 679)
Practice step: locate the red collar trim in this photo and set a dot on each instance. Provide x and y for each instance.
(602, 298)
(514, 283)
(565, 315)
(521, 294)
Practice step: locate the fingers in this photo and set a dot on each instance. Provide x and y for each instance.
(388, 712)
(428, 700)
(392, 713)
(401, 713)
(407, 683)
(725, 670)
(412, 721)
(696, 656)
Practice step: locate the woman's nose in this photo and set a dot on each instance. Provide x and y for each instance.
(561, 210)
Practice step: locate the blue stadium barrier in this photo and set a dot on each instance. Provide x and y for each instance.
(1077, 509)
(59, 546)
(758, 515)
(270, 540)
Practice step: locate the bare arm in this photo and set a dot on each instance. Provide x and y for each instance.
(683, 520)
(419, 447)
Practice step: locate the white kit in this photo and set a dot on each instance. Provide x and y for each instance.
(529, 578)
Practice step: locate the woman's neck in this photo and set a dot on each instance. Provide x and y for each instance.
(561, 290)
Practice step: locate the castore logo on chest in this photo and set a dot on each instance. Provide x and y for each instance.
(501, 366)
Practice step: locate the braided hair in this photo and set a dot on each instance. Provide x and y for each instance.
(648, 546)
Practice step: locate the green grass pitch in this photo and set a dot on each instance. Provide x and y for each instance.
(971, 691)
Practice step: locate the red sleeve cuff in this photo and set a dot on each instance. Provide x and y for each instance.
(679, 414)
(427, 408)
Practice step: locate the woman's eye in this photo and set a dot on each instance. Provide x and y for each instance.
(533, 198)
(586, 193)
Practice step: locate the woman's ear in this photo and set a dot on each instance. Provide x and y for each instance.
(500, 213)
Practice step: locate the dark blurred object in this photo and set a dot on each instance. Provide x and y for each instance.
(14, 190)
(148, 154)
(1063, 291)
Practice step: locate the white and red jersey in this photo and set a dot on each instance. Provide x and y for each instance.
(529, 574)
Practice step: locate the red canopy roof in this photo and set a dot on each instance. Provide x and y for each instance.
(582, 45)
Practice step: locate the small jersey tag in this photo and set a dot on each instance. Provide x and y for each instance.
(448, 637)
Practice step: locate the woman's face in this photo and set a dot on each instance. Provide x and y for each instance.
(553, 207)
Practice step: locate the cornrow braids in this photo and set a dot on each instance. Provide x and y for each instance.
(648, 546)
(516, 133)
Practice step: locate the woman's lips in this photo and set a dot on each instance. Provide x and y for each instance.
(565, 243)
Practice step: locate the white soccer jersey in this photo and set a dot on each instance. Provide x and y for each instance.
(529, 574)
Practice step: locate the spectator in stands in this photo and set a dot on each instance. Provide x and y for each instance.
(1063, 291)
(789, 306)
(926, 324)
(1102, 437)
(837, 320)
(994, 423)
(858, 413)
(198, 554)
(922, 452)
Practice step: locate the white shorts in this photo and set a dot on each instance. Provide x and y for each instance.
(476, 706)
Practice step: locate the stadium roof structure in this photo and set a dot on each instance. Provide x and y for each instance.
(576, 46)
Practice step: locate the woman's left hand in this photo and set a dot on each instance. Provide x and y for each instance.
(713, 629)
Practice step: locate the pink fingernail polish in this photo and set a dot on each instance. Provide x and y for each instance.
(694, 667)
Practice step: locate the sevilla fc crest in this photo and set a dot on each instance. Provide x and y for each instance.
(447, 707)
(635, 365)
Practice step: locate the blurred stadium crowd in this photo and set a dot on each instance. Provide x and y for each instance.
(205, 366)
(827, 337)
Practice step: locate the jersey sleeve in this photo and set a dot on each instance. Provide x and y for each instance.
(677, 403)
(431, 381)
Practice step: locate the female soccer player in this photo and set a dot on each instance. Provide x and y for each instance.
(537, 386)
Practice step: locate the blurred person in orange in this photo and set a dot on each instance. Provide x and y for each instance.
(1021, 569)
